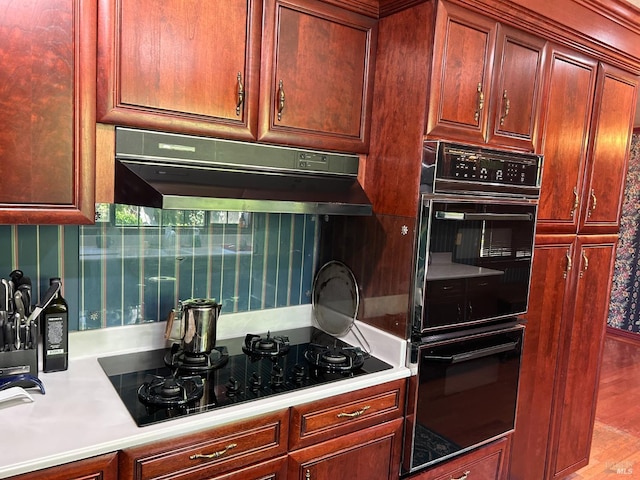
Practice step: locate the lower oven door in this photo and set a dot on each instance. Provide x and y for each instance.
(464, 393)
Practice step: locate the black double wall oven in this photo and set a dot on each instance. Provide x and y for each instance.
(475, 240)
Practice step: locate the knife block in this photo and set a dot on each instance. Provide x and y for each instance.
(18, 362)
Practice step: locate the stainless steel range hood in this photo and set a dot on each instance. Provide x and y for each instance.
(184, 172)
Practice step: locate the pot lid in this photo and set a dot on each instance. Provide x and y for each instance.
(335, 298)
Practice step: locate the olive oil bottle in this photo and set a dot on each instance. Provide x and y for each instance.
(55, 333)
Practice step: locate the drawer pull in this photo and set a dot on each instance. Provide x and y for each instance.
(214, 454)
(354, 414)
(463, 477)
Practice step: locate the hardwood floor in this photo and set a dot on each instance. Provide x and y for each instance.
(615, 451)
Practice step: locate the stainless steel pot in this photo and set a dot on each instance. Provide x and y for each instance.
(193, 324)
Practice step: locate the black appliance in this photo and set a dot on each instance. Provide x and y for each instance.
(474, 252)
(163, 384)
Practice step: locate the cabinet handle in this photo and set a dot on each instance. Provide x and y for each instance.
(566, 272)
(585, 264)
(576, 201)
(507, 105)
(307, 475)
(357, 413)
(463, 477)
(214, 454)
(280, 99)
(240, 98)
(594, 201)
(480, 102)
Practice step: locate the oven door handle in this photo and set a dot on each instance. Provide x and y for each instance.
(442, 215)
(473, 354)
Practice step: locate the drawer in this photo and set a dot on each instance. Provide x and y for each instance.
(486, 463)
(328, 418)
(210, 452)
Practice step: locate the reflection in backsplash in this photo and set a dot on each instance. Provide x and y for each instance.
(135, 263)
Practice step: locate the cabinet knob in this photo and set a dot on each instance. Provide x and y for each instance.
(240, 97)
(280, 99)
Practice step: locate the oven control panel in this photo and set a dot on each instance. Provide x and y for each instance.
(477, 170)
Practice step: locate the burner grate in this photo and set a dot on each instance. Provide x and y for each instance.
(171, 391)
(265, 346)
(334, 358)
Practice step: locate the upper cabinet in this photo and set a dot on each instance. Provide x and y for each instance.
(316, 75)
(47, 139)
(589, 116)
(181, 66)
(209, 68)
(485, 82)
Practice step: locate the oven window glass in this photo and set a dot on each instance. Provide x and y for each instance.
(466, 394)
(478, 262)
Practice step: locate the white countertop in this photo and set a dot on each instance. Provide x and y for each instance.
(81, 414)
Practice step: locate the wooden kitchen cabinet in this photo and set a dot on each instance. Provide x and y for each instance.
(486, 80)
(215, 453)
(47, 139)
(486, 463)
(356, 435)
(189, 67)
(316, 75)
(103, 467)
(589, 118)
(566, 322)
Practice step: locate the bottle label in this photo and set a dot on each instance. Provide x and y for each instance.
(56, 338)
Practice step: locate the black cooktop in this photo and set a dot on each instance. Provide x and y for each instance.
(240, 378)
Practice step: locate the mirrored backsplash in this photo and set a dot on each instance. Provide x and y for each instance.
(136, 263)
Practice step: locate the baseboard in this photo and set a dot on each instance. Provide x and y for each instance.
(624, 335)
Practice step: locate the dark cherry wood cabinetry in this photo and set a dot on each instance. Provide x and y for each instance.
(183, 66)
(316, 75)
(296, 73)
(47, 139)
(486, 80)
(212, 453)
(104, 467)
(486, 463)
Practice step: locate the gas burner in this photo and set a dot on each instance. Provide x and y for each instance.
(259, 346)
(195, 362)
(335, 359)
(171, 391)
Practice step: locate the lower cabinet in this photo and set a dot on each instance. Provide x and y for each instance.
(566, 323)
(103, 467)
(486, 463)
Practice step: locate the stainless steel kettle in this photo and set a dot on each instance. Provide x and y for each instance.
(193, 324)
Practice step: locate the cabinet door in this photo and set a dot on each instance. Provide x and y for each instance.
(486, 463)
(611, 129)
(316, 76)
(583, 335)
(370, 454)
(180, 66)
(567, 117)
(47, 99)
(461, 74)
(104, 467)
(515, 101)
(552, 262)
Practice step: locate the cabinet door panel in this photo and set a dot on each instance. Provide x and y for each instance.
(461, 74)
(103, 467)
(370, 454)
(568, 112)
(47, 139)
(516, 96)
(316, 75)
(578, 381)
(180, 65)
(609, 153)
(547, 296)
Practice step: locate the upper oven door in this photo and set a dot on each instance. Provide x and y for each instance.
(474, 261)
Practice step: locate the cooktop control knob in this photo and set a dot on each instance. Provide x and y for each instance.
(298, 373)
(255, 382)
(232, 387)
(277, 376)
